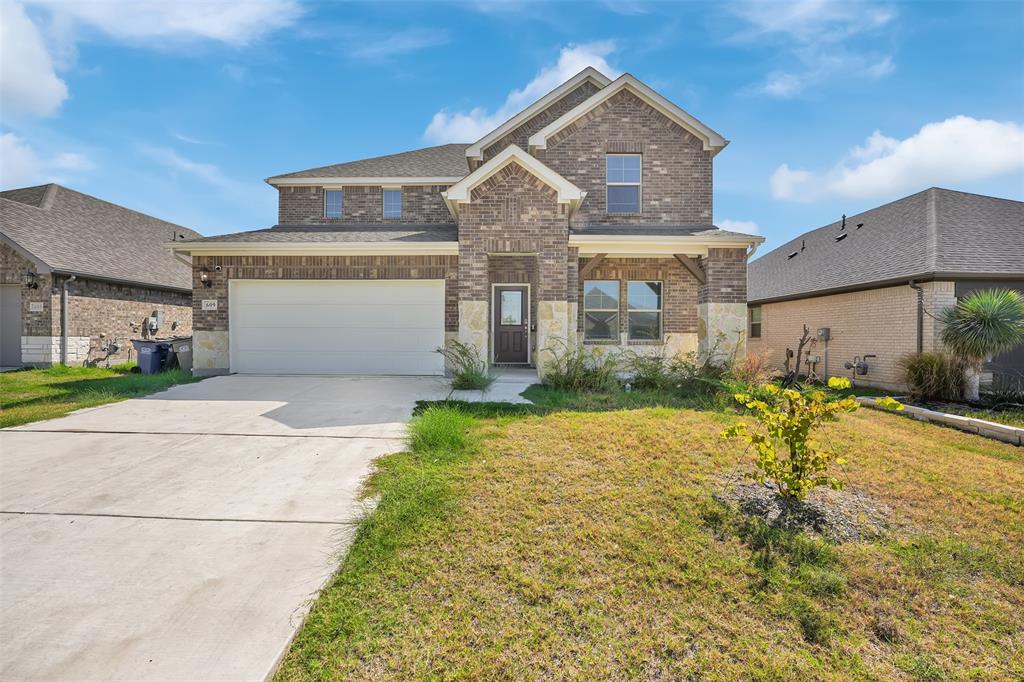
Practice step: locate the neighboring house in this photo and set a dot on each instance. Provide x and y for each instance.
(80, 277)
(587, 216)
(877, 280)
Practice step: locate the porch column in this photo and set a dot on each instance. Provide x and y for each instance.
(473, 285)
(722, 304)
(553, 307)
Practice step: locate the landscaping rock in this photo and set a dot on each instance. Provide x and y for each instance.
(837, 515)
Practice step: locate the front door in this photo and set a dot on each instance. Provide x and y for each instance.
(511, 324)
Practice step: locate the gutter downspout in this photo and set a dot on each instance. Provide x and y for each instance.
(920, 315)
(64, 322)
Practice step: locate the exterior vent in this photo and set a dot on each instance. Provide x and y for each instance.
(841, 237)
(860, 225)
(792, 255)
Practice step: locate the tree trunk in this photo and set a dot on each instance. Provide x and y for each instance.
(972, 383)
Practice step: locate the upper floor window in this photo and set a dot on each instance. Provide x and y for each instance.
(755, 321)
(643, 299)
(601, 310)
(333, 202)
(392, 203)
(623, 180)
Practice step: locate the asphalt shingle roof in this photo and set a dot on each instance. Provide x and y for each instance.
(79, 234)
(341, 234)
(659, 231)
(446, 160)
(937, 231)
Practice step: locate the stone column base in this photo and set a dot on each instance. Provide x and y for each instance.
(210, 353)
(553, 335)
(722, 330)
(474, 327)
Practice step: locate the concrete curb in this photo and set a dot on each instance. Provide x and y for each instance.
(1007, 434)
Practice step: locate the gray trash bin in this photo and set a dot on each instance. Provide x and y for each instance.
(182, 347)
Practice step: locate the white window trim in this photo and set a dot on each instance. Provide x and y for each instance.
(639, 185)
(617, 310)
(384, 205)
(759, 323)
(660, 310)
(341, 213)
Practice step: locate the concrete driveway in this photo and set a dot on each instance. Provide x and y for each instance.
(183, 535)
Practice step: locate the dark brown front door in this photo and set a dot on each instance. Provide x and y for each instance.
(511, 335)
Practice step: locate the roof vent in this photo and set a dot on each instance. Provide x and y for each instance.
(803, 244)
(843, 227)
(792, 255)
(860, 225)
(841, 237)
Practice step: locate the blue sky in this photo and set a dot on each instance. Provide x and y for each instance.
(182, 109)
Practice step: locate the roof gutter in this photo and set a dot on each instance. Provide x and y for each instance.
(315, 248)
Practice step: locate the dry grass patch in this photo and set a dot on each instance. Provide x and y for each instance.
(588, 546)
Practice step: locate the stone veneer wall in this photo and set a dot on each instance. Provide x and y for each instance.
(211, 327)
(721, 303)
(420, 204)
(677, 172)
(881, 322)
(100, 314)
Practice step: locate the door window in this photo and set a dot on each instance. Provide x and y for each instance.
(511, 307)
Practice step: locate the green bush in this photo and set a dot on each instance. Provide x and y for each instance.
(650, 371)
(469, 370)
(932, 376)
(581, 368)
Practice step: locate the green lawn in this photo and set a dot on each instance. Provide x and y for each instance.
(34, 394)
(555, 543)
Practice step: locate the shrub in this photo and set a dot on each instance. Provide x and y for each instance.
(650, 371)
(581, 368)
(983, 324)
(753, 369)
(932, 376)
(787, 418)
(469, 370)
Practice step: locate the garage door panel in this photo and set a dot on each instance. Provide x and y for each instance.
(338, 291)
(336, 326)
(282, 362)
(351, 316)
(327, 338)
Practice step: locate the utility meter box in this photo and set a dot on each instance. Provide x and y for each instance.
(824, 333)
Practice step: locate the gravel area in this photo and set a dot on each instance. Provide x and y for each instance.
(837, 515)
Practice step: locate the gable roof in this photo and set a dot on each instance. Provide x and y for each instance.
(589, 74)
(934, 233)
(462, 191)
(67, 232)
(712, 140)
(442, 164)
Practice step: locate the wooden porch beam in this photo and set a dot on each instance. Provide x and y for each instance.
(591, 264)
(693, 266)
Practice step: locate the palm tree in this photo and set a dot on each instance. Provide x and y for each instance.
(981, 325)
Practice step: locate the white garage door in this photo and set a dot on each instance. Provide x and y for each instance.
(336, 327)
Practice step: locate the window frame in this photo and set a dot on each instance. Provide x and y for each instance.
(660, 310)
(341, 203)
(617, 310)
(751, 322)
(639, 184)
(384, 202)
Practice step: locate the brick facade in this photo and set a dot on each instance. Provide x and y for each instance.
(676, 171)
(521, 134)
(102, 312)
(313, 267)
(678, 290)
(726, 273)
(365, 205)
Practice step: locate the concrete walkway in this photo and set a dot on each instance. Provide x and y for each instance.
(182, 536)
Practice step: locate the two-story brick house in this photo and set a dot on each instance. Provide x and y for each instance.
(585, 218)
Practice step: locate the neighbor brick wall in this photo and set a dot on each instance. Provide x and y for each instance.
(513, 212)
(878, 321)
(678, 290)
(726, 273)
(520, 135)
(305, 206)
(12, 271)
(314, 267)
(677, 172)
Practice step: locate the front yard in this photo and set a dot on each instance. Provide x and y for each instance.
(34, 394)
(548, 542)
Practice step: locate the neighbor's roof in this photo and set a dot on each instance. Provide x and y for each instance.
(444, 161)
(340, 234)
(73, 233)
(934, 233)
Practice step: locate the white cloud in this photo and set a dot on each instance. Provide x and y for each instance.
(813, 34)
(956, 150)
(207, 172)
(235, 23)
(400, 42)
(744, 226)
(467, 126)
(28, 82)
(21, 165)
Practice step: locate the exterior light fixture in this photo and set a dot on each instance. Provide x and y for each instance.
(30, 280)
(204, 277)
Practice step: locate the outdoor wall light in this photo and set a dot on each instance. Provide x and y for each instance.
(204, 277)
(31, 280)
